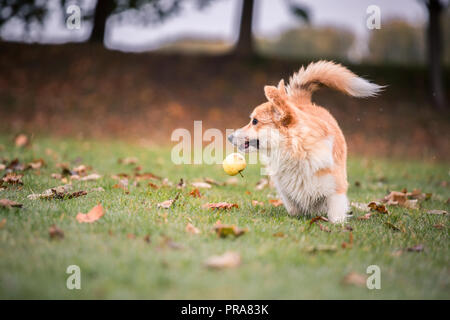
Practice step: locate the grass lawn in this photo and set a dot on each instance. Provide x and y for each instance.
(116, 261)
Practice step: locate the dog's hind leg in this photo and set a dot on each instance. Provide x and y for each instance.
(337, 207)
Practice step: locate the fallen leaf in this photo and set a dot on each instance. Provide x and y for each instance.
(181, 184)
(220, 205)
(276, 202)
(13, 178)
(168, 203)
(57, 176)
(365, 217)
(191, 229)
(146, 176)
(392, 226)
(60, 192)
(90, 177)
(131, 236)
(378, 207)
(355, 279)
(80, 170)
(416, 248)
(98, 189)
(439, 212)
(195, 193)
(261, 184)
(21, 140)
(153, 186)
(93, 215)
(321, 248)
(213, 182)
(233, 181)
(257, 203)
(2, 223)
(318, 218)
(147, 238)
(323, 228)
(200, 185)
(348, 244)
(36, 164)
(279, 234)
(55, 233)
(128, 160)
(6, 203)
(225, 230)
(439, 226)
(227, 260)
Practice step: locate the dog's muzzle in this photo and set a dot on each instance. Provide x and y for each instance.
(243, 144)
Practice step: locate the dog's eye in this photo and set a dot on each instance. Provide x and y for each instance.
(254, 122)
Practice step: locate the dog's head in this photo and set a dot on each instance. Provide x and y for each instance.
(268, 122)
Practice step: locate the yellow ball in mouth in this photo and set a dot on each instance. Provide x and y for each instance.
(234, 163)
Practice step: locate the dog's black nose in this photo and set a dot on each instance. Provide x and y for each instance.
(230, 138)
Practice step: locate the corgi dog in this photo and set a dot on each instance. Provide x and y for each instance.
(301, 144)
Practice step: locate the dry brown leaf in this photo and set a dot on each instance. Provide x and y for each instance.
(90, 177)
(225, 230)
(195, 193)
(439, 212)
(321, 248)
(191, 229)
(261, 184)
(439, 226)
(276, 202)
(213, 182)
(93, 215)
(233, 181)
(21, 140)
(201, 185)
(257, 203)
(146, 176)
(365, 217)
(227, 260)
(60, 192)
(181, 184)
(355, 279)
(348, 244)
(279, 234)
(381, 208)
(220, 205)
(318, 218)
(2, 223)
(13, 178)
(128, 160)
(168, 203)
(36, 164)
(394, 227)
(153, 186)
(416, 248)
(323, 228)
(6, 203)
(55, 233)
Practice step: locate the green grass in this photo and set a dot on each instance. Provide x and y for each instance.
(115, 266)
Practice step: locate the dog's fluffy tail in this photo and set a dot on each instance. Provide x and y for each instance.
(304, 82)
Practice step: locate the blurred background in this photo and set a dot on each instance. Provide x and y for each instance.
(136, 69)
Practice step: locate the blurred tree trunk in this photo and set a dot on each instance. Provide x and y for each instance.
(103, 10)
(244, 45)
(434, 54)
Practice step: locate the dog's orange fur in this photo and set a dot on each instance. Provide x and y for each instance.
(308, 132)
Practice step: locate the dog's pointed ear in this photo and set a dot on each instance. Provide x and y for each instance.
(280, 109)
(282, 89)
